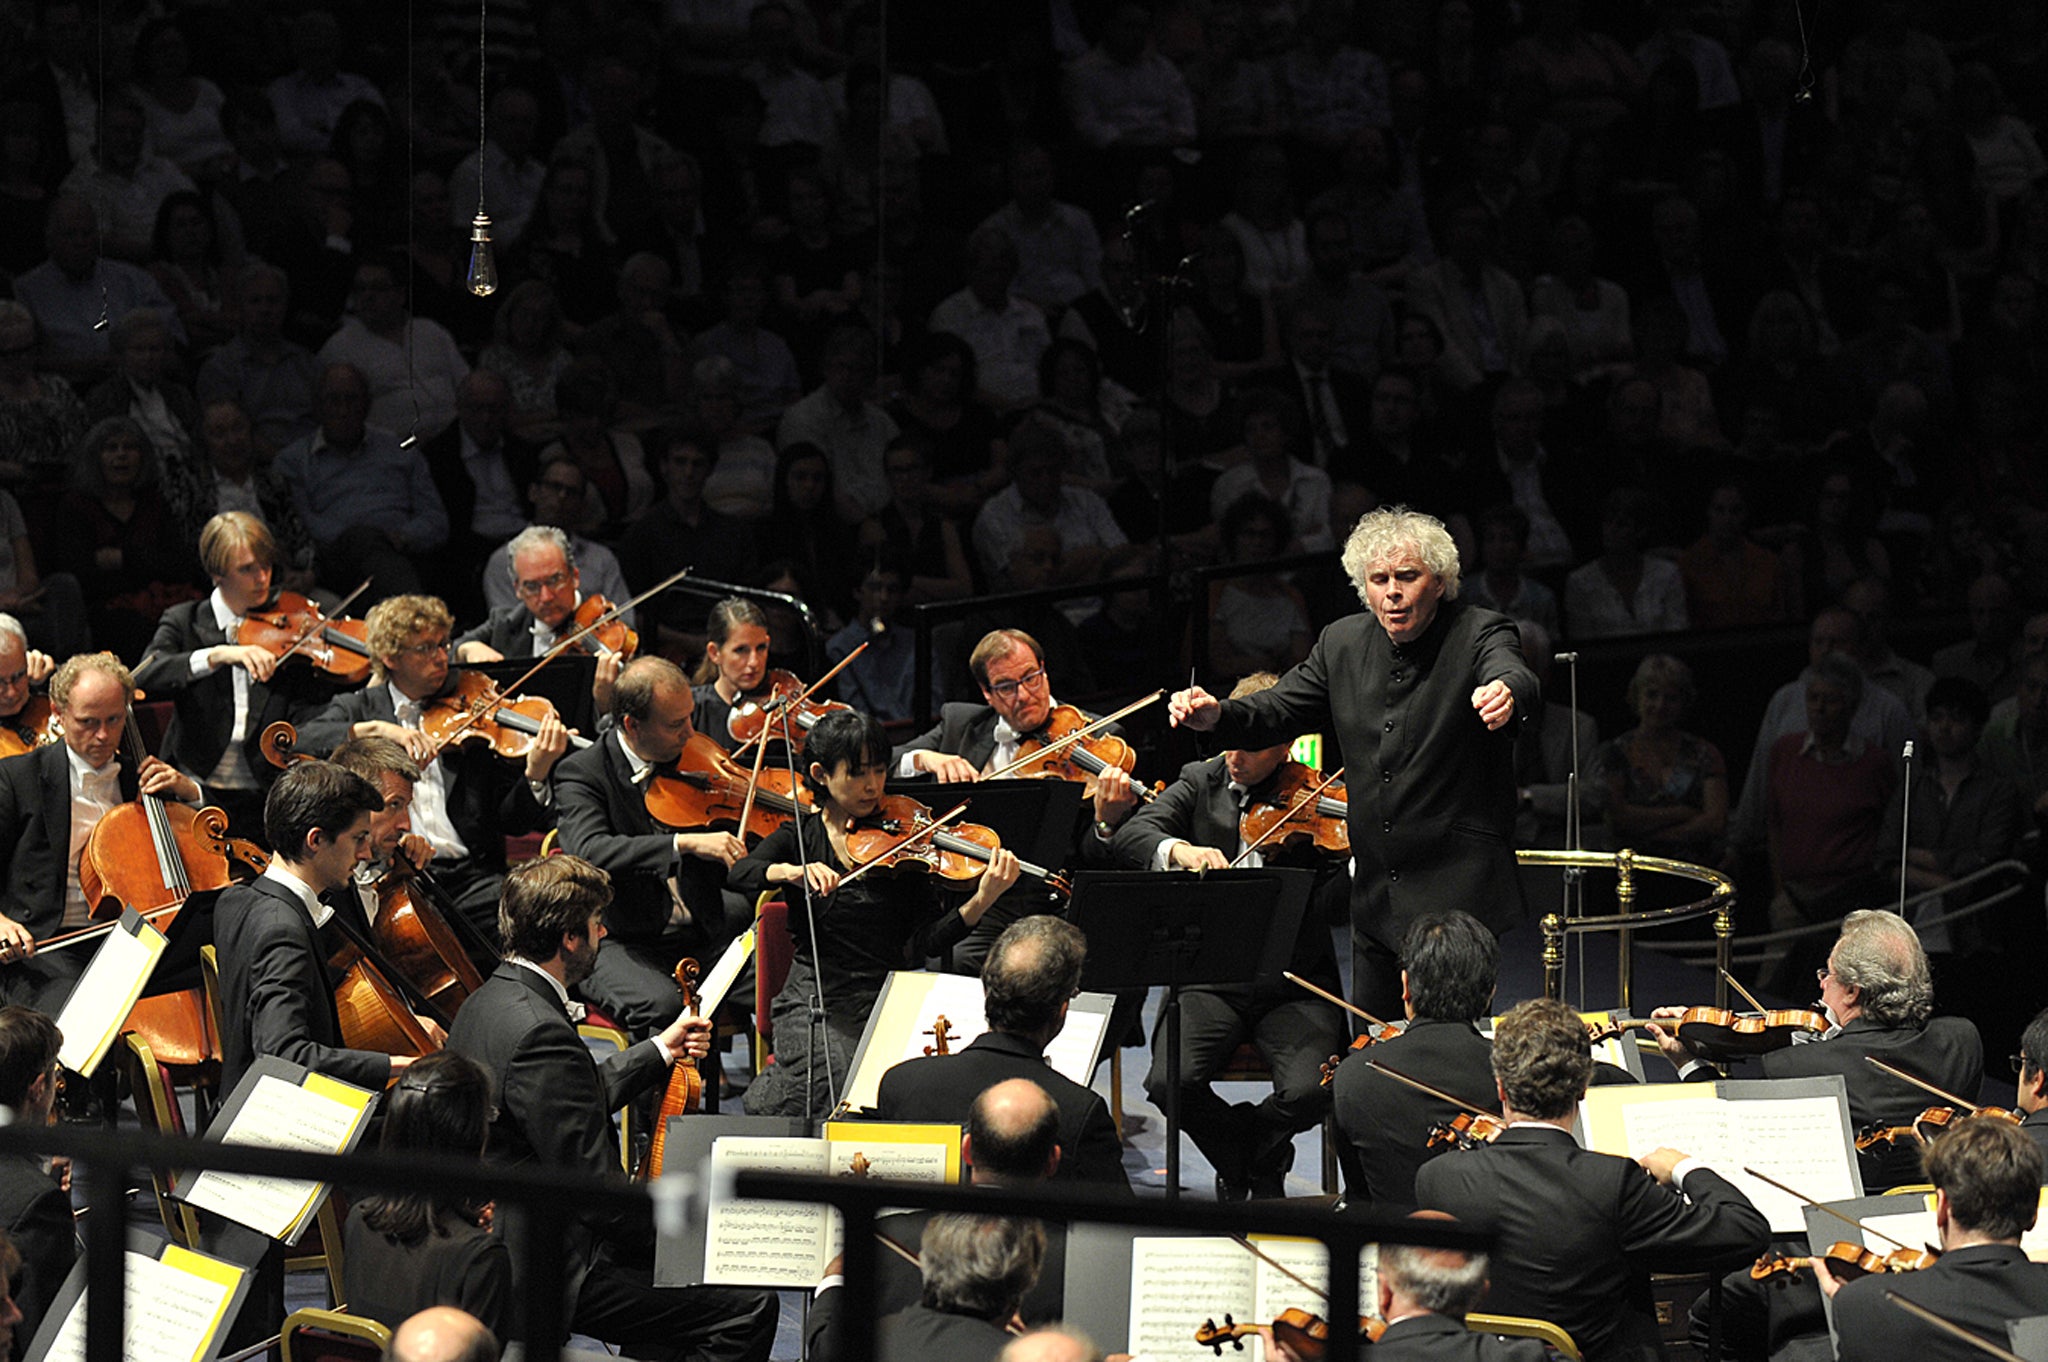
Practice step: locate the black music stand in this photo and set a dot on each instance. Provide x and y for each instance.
(1148, 929)
(1034, 818)
(177, 969)
(565, 682)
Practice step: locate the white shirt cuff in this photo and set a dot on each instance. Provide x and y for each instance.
(662, 1049)
(1162, 855)
(906, 766)
(835, 1279)
(200, 665)
(1686, 1168)
(1692, 1066)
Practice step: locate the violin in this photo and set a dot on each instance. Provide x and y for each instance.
(1846, 1262)
(1372, 1035)
(293, 626)
(685, 1091)
(942, 1036)
(1716, 1030)
(960, 851)
(473, 710)
(33, 726)
(606, 637)
(1082, 760)
(1303, 1332)
(1466, 1130)
(783, 705)
(706, 787)
(1320, 822)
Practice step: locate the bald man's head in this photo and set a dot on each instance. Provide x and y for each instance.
(1013, 1133)
(1050, 1345)
(441, 1333)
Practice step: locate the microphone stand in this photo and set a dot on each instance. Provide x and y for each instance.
(820, 1037)
(1905, 823)
(1574, 876)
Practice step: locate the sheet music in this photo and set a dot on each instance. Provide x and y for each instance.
(170, 1314)
(1797, 1140)
(105, 994)
(277, 1115)
(958, 999)
(764, 1243)
(719, 982)
(1308, 1259)
(1914, 1228)
(1177, 1284)
(895, 1161)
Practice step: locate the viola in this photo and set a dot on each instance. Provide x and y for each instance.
(942, 1036)
(1083, 760)
(1466, 1130)
(705, 787)
(1372, 1035)
(1283, 816)
(1846, 1262)
(1716, 1030)
(1304, 1332)
(33, 726)
(294, 627)
(959, 851)
(784, 706)
(606, 637)
(685, 1091)
(473, 710)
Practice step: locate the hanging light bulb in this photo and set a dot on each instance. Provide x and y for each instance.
(483, 262)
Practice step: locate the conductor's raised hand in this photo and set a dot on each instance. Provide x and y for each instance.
(1495, 703)
(1194, 708)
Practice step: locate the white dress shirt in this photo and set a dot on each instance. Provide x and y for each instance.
(232, 771)
(93, 795)
(277, 872)
(430, 793)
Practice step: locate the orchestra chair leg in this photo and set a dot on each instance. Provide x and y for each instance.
(157, 1107)
(327, 1229)
(1524, 1326)
(331, 1336)
(1116, 1089)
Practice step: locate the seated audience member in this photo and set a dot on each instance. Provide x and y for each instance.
(1625, 590)
(1057, 246)
(768, 380)
(1258, 622)
(369, 501)
(1963, 815)
(1123, 94)
(1990, 656)
(1573, 1226)
(1007, 334)
(1088, 534)
(565, 243)
(1272, 436)
(1666, 790)
(881, 680)
(679, 530)
(1238, 316)
(123, 179)
(310, 97)
(187, 262)
(742, 483)
(271, 376)
(230, 474)
(1987, 1180)
(512, 174)
(841, 418)
(76, 289)
(1870, 599)
(816, 542)
(411, 363)
(480, 472)
(1074, 403)
(1500, 584)
(52, 605)
(1476, 306)
(167, 413)
(441, 1333)
(1730, 579)
(639, 342)
(407, 1251)
(1336, 400)
(939, 404)
(120, 539)
(41, 417)
(911, 525)
(1838, 541)
(614, 464)
(528, 352)
(1424, 1296)
(35, 1210)
(2020, 753)
(1360, 322)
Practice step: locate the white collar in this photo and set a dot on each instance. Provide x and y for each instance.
(561, 989)
(637, 764)
(82, 772)
(277, 872)
(224, 617)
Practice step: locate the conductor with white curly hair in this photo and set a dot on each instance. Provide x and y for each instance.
(1422, 693)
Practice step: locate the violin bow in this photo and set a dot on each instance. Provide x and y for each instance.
(1087, 730)
(914, 835)
(808, 692)
(1951, 1328)
(1925, 1086)
(1300, 803)
(1747, 996)
(306, 635)
(1270, 1261)
(1768, 1180)
(753, 788)
(1291, 977)
(1438, 1093)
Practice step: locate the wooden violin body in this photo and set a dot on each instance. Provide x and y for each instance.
(294, 627)
(1716, 1031)
(685, 1091)
(1372, 1035)
(1284, 816)
(33, 726)
(957, 851)
(1306, 1334)
(609, 636)
(472, 710)
(1466, 1130)
(1846, 1262)
(705, 788)
(791, 715)
(1084, 760)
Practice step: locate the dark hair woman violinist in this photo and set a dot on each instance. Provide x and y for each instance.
(847, 938)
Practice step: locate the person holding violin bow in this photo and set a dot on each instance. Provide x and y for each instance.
(549, 587)
(468, 798)
(734, 672)
(50, 801)
(2032, 1102)
(225, 692)
(1196, 824)
(969, 741)
(850, 933)
(1987, 1177)
(24, 715)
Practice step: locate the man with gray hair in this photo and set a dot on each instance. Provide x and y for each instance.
(20, 668)
(976, 1271)
(1423, 693)
(1424, 1296)
(540, 562)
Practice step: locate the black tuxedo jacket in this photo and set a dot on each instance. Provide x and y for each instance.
(509, 629)
(943, 1088)
(1439, 1338)
(203, 713)
(488, 796)
(1580, 1232)
(555, 1101)
(276, 997)
(603, 817)
(1432, 791)
(1385, 1123)
(921, 1334)
(36, 854)
(966, 731)
(37, 1215)
(1354, 405)
(1947, 1052)
(2036, 1126)
(1980, 1287)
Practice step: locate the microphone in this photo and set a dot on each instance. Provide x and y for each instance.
(1908, 753)
(1566, 658)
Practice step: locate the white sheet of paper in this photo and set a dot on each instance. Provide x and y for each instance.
(104, 996)
(719, 982)
(278, 1115)
(169, 1315)
(1915, 1229)
(764, 1243)
(958, 999)
(1797, 1140)
(1179, 1283)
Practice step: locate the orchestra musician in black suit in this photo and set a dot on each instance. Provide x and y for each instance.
(225, 693)
(1424, 1296)
(1196, 824)
(971, 741)
(549, 588)
(50, 800)
(667, 887)
(467, 799)
(1422, 694)
(1449, 963)
(2033, 1080)
(1987, 1187)
(555, 1103)
(21, 668)
(1030, 976)
(1574, 1226)
(35, 1211)
(977, 1269)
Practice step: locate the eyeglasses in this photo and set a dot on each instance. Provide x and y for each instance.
(426, 649)
(1824, 973)
(2020, 1064)
(1006, 689)
(553, 582)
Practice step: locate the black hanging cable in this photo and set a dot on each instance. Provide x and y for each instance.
(482, 278)
(412, 119)
(99, 142)
(1804, 91)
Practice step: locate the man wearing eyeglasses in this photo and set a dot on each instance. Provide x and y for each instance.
(468, 798)
(544, 568)
(971, 741)
(2033, 1082)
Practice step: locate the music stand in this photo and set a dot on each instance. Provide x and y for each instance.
(565, 682)
(177, 970)
(1034, 818)
(1147, 929)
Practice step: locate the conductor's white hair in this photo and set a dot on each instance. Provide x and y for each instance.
(1392, 535)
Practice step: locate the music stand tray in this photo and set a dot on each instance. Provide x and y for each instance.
(1147, 929)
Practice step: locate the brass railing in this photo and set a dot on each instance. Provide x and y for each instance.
(1719, 903)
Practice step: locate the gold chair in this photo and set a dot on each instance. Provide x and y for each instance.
(604, 1040)
(331, 1336)
(157, 1106)
(1524, 1326)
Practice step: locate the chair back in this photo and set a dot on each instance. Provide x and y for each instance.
(774, 948)
(602, 1040)
(1525, 1326)
(331, 1336)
